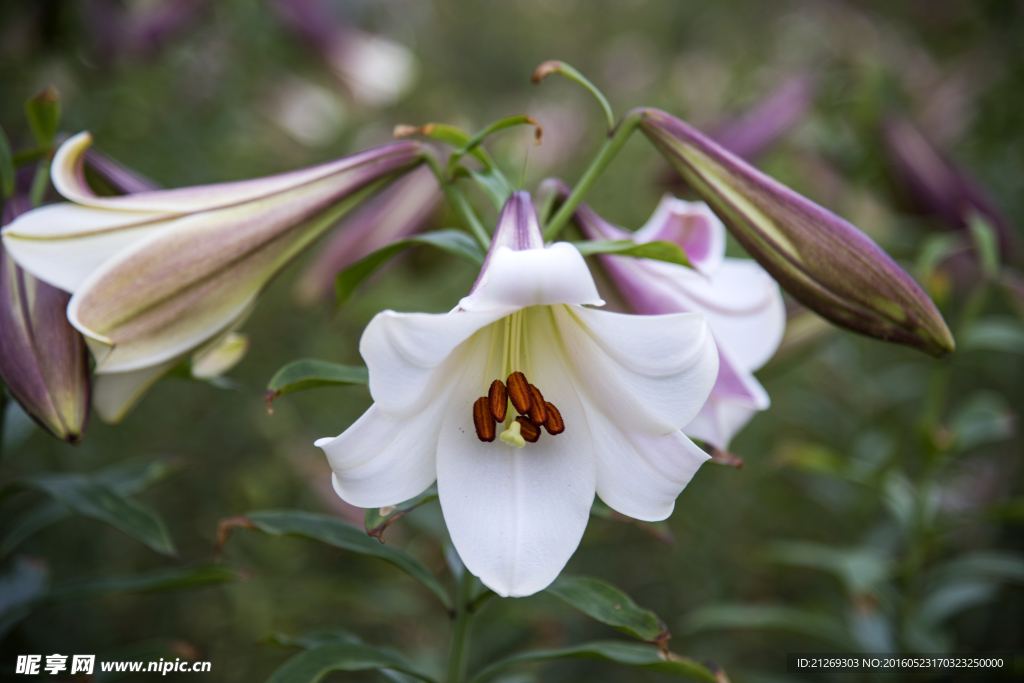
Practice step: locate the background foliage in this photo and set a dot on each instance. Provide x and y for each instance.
(880, 505)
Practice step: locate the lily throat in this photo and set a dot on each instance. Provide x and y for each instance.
(526, 399)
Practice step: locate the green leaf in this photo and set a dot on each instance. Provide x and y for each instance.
(43, 112)
(659, 250)
(332, 531)
(127, 478)
(821, 627)
(494, 185)
(986, 243)
(629, 654)
(310, 373)
(91, 498)
(329, 636)
(995, 333)
(861, 570)
(313, 665)
(158, 581)
(379, 519)
(609, 605)
(25, 581)
(6, 166)
(985, 417)
(452, 241)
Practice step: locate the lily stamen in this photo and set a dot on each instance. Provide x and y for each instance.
(534, 412)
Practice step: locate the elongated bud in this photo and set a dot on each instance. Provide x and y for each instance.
(43, 359)
(819, 258)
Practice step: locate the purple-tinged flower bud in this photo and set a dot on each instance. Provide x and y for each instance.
(822, 260)
(43, 359)
(935, 186)
(749, 135)
(401, 209)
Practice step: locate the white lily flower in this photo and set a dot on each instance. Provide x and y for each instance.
(742, 303)
(611, 390)
(159, 275)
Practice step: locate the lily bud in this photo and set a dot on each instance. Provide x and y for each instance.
(825, 262)
(43, 360)
(935, 186)
(156, 275)
(402, 209)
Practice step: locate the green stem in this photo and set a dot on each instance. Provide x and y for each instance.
(570, 72)
(458, 201)
(460, 630)
(611, 147)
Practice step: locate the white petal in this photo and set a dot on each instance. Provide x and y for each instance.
(691, 225)
(383, 460)
(406, 355)
(641, 476)
(68, 179)
(516, 515)
(533, 277)
(114, 395)
(648, 374)
(736, 397)
(745, 309)
(63, 244)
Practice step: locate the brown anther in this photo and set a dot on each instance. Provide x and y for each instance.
(519, 392)
(483, 421)
(497, 396)
(538, 413)
(554, 423)
(529, 431)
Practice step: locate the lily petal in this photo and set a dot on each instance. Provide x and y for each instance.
(114, 395)
(641, 476)
(691, 225)
(736, 397)
(39, 240)
(533, 277)
(406, 355)
(383, 460)
(648, 374)
(175, 289)
(516, 515)
(69, 179)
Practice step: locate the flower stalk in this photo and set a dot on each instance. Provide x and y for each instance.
(459, 657)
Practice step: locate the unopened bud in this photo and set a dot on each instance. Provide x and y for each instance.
(825, 262)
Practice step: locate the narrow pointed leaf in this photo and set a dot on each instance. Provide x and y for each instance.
(629, 654)
(330, 636)
(127, 478)
(455, 242)
(314, 665)
(379, 519)
(609, 605)
(658, 250)
(101, 502)
(159, 581)
(821, 627)
(333, 531)
(494, 185)
(43, 112)
(310, 373)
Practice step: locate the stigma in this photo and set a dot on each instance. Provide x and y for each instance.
(533, 411)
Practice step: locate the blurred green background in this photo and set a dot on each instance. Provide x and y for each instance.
(895, 478)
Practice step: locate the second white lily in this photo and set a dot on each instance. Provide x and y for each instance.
(611, 391)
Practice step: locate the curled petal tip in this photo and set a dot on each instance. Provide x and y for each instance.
(825, 262)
